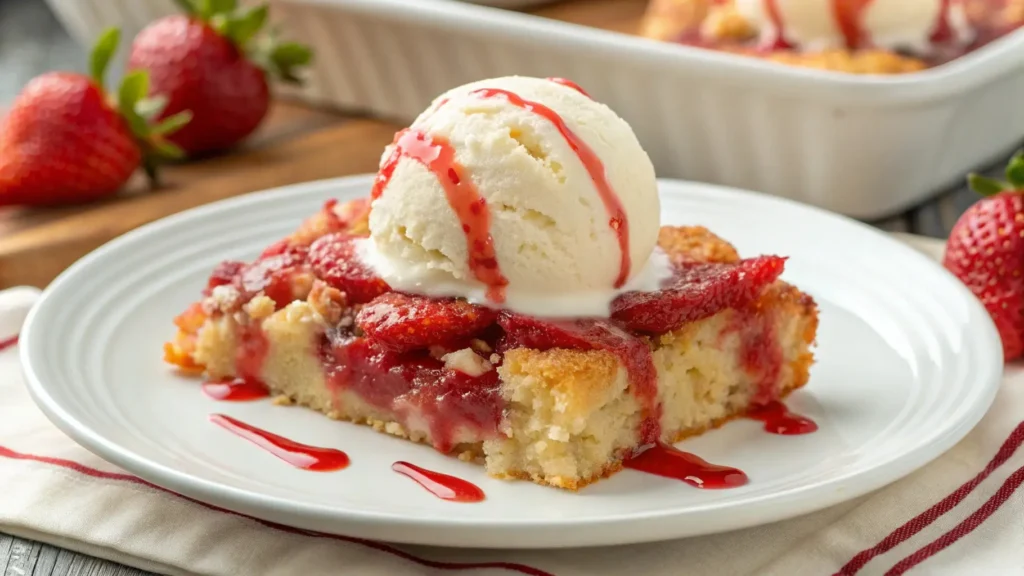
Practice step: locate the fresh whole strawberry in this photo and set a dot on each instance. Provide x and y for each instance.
(65, 141)
(986, 252)
(213, 61)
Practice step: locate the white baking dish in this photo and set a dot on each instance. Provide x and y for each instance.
(866, 147)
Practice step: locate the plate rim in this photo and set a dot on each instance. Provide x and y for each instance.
(808, 498)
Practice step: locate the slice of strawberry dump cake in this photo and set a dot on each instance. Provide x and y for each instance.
(505, 294)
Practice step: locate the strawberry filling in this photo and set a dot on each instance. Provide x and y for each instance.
(391, 356)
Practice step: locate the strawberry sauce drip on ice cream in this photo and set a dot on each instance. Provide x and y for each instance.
(570, 84)
(944, 28)
(595, 168)
(849, 15)
(772, 9)
(438, 156)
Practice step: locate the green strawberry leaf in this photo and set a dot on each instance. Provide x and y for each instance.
(1015, 170)
(187, 6)
(291, 54)
(165, 149)
(149, 164)
(984, 185)
(246, 24)
(171, 124)
(157, 151)
(151, 107)
(134, 88)
(210, 8)
(286, 57)
(103, 53)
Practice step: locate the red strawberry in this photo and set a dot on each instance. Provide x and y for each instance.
(272, 275)
(697, 291)
(224, 274)
(212, 61)
(335, 260)
(573, 334)
(986, 252)
(401, 322)
(64, 142)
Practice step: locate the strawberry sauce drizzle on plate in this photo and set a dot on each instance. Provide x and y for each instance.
(235, 390)
(779, 420)
(313, 458)
(669, 462)
(438, 156)
(441, 485)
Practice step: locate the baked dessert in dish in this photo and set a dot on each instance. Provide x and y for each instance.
(853, 36)
(506, 294)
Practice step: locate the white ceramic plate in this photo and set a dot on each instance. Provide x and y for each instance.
(908, 363)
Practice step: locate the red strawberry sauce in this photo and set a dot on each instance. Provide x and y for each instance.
(570, 84)
(438, 156)
(303, 456)
(235, 390)
(664, 460)
(400, 383)
(779, 420)
(441, 485)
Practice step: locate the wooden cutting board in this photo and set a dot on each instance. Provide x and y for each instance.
(295, 144)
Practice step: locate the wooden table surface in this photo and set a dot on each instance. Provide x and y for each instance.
(295, 144)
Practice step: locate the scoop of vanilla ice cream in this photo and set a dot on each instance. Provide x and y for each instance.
(551, 230)
(812, 25)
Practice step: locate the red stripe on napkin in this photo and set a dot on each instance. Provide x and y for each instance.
(93, 472)
(964, 528)
(924, 519)
(8, 342)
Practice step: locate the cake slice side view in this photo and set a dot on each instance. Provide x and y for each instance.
(506, 294)
(558, 416)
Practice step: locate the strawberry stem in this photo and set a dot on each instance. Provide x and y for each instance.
(991, 186)
(1015, 170)
(138, 110)
(187, 6)
(102, 53)
(984, 185)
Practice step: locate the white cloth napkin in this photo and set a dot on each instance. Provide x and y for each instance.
(961, 514)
